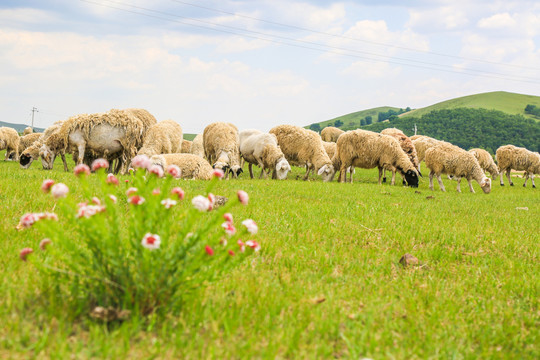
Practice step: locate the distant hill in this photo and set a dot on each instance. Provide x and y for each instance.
(352, 120)
(19, 127)
(509, 103)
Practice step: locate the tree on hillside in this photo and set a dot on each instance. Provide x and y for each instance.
(363, 122)
(338, 123)
(369, 120)
(315, 127)
(532, 109)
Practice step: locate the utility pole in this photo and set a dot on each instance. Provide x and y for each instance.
(414, 128)
(34, 110)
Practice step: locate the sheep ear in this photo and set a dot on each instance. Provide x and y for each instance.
(322, 170)
(419, 173)
(214, 166)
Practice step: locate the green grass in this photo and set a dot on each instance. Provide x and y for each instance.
(327, 283)
(510, 103)
(189, 137)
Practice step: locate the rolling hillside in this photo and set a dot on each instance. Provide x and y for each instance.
(19, 127)
(352, 120)
(510, 103)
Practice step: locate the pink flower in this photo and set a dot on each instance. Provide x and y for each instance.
(241, 245)
(218, 173)
(27, 220)
(209, 250)
(243, 197)
(59, 190)
(81, 169)
(251, 226)
(46, 185)
(201, 203)
(253, 244)
(174, 171)
(168, 203)
(212, 199)
(131, 191)
(151, 241)
(178, 192)
(88, 211)
(111, 179)
(229, 228)
(126, 181)
(113, 198)
(136, 200)
(156, 191)
(46, 215)
(44, 243)
(141, 161)
(156, 170)
(24, 253)
(228, 217)
(231, 252)
(96, 201)
(99, 164)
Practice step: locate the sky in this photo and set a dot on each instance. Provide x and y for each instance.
(258, 64)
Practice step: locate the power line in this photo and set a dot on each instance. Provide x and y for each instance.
(350, 37)
(465, 71)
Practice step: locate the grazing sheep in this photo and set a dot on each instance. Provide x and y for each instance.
(197, 147)
(421, 144)
(511, 157)
(164, 137)
(414, 137)
(28, 130)
(407, 146)
(32, 152)
(303, 147)
(144, 116)
(115, 134)
(9, 140)
(191, 166)
(330, 148)
(258, 148)
(452, 160)
(221, 147)
(486, 162)
(186, 146)
(367, 149)
(331, 133)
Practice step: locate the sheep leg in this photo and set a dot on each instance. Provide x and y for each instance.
(458, 184)
(393, 182)
(508, 176)
(308, 168)
(470, 185)
(431, 180)
(274, 174)
(441, 185)
(380, 174)
(63, 156)
(501, 175)
(81, 148)
(251, 170)
(384, 176)
(343, 173)
(532, 180)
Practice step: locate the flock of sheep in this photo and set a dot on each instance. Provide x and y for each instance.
(120, 135)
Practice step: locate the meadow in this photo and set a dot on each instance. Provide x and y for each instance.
(327, 282)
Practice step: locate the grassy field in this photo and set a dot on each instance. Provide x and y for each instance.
(506, 102)
(327, 282)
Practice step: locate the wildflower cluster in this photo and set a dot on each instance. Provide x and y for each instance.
(136, 245)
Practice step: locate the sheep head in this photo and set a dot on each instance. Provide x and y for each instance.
(485, 184)
(326, 172)
(411, 176)
(236, 170)
(47, 157)
(25, 160)
(282, 168)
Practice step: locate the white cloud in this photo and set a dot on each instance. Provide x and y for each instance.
(442, 18)
(496, 21)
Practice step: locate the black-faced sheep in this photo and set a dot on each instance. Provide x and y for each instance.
(407, 145)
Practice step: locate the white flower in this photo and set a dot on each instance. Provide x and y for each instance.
(151, 241)
(251, 226)
(59, 190)
(201, 203)
(168, 203)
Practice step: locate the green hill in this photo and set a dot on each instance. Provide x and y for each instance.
(509, 103)
(352, 120)
(19, 127)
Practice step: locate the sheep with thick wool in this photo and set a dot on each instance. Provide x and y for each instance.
(331, 133)
(262, 149)
(422, 143)
(28, 140)
(9, 140)
(486, 162)
(197, 146)
(191, 166)
(330, 148)
(407, 145)
(446, 158)
(511, 157)
(186, 146)
(367, 150)
(31, 153)
(222, 147)
(165, 137)
(28, 130)
(303, 147)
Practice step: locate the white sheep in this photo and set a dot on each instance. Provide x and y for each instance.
(9, 140)
(186, 146)
(421, 144)
(28, 130)
(303, 147)
(197, 146)
(330, 148)
(511, 157)
(31, 153)
(407, 145)
(221, 147)
(486, 161)
(367, 150)
(165, 137)
(452, 160)
(191, 166)
(262, 149)
(331, 134)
